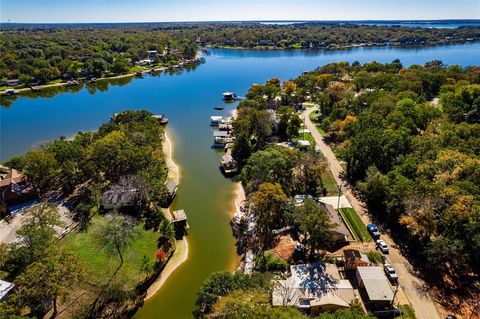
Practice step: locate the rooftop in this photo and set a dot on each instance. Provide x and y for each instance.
(120, 196)
(376, 283)
(313, 284)
(12, 176)
(171, 186)
(340, 227)
(220, 134)
(179, 215)
(5, 287)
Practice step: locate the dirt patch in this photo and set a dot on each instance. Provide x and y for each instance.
(285, 247)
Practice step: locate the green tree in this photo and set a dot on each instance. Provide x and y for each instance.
(314, 222)
(114, 234)
(269, 205)
(40, 167)
(48, 279)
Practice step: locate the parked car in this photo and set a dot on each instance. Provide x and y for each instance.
(391, 273)
(373, 230)
(382, 246)
(450, 317)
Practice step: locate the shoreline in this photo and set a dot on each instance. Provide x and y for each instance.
(341, 47)
(180, 254)
(120, 76)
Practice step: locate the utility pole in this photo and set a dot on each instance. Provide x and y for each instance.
(394, 295)
(339, 194)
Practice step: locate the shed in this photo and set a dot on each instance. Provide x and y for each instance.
(5, 288)
(354, 259)
(376, 285)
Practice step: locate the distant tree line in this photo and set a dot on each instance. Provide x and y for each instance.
(37, 54)
(41, 56)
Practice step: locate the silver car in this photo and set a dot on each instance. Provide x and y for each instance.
(382, 246)
(391, 273)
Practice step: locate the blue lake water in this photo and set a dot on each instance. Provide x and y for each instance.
(188, 100)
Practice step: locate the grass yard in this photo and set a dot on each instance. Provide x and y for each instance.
(329, 183)
(99, 265)
(313, 118)
(408, 312)
(356, 225)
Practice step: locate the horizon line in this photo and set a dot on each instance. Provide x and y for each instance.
(240, 21)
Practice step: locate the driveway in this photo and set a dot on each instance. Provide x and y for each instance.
(413, 287)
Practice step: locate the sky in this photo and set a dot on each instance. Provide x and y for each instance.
(58, 11)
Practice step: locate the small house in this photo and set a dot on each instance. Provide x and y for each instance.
(229, 165)
(5, 289)
(372, 280)
(120, 199)
(354, 259)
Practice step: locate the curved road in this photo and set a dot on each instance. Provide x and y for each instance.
(413, 287)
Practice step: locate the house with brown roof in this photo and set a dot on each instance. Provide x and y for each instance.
(15, 191)
(354, 259)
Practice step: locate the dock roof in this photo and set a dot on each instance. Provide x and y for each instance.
(179, 215)
(171, 186)
(376, 283)
(220, 134)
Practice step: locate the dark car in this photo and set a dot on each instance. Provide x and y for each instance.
(373, 230)
(450, 317)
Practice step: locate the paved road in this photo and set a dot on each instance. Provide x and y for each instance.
(412, 286)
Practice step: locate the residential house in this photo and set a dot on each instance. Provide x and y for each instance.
(342, 234)
(15, 192)
(120, 199)
(314, 288)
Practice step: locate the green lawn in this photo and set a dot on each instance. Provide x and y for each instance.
(329, 182)
(408, 312)
(313, 118)
(356, 225)
(99, 266)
